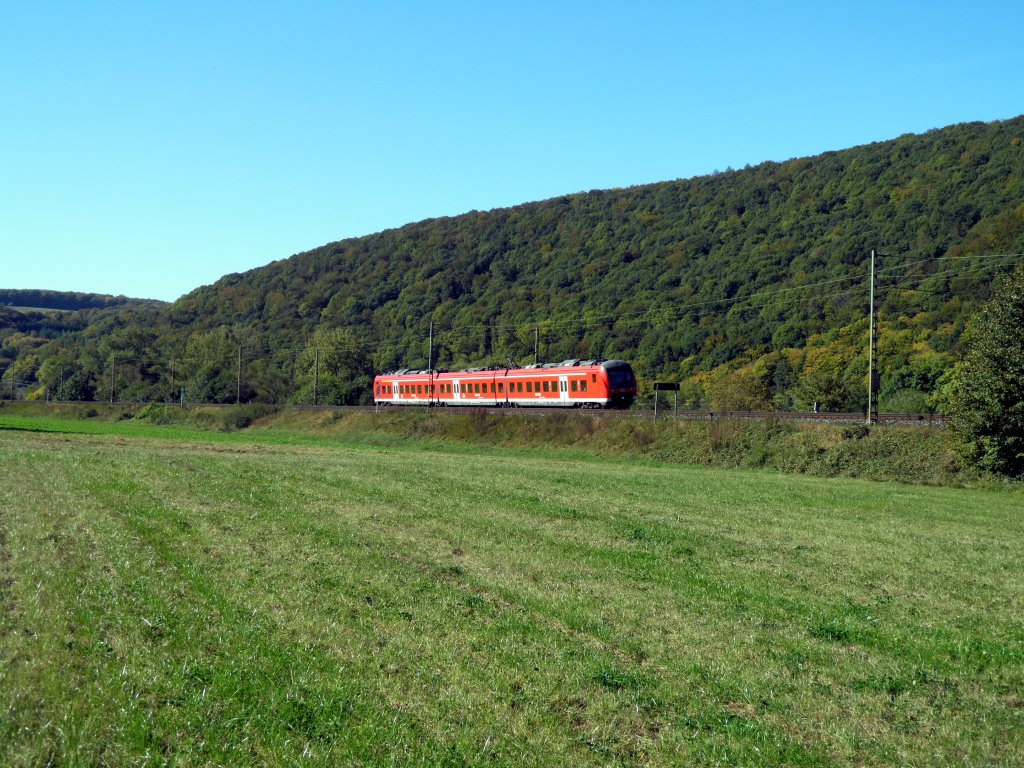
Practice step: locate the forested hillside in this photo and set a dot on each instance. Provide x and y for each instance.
(64, 300)
(749, 286)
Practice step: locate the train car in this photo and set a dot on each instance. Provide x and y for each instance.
(568, 384)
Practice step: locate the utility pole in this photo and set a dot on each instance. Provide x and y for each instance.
(536, 342)
(172, 378)
(113, 378)
(871, 343)
(238, 377)
(430, 364)
(316, 372)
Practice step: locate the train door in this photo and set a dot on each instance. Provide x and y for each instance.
(456, 392)
(394, 390)
(563, 390)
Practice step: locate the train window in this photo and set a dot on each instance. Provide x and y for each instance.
(545, 385)
(501, 387)
(574, 385)
(529, 386)
(593, 377)
(583, 385)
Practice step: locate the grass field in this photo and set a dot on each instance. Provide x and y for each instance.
(170, 596)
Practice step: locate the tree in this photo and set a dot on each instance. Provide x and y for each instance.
(338, 365)
(75, 387)
(985, 392)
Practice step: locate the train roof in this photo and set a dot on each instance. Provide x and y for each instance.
(572, 363)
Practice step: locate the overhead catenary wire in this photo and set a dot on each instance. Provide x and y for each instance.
(666, 313)
(966, 265)
(698, 309)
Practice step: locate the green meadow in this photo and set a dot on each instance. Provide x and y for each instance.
(175, 596)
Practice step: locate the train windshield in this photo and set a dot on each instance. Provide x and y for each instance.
(620, 377)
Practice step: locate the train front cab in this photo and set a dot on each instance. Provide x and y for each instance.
(621, 383)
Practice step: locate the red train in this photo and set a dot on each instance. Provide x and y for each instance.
(570, 384)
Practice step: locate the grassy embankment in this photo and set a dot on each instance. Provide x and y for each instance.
(912, 454)
(206, 598)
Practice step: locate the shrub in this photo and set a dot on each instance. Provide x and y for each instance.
(856, 432)
(242, 416)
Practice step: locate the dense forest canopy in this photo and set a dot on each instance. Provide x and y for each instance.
(64, 300)
(748, 286)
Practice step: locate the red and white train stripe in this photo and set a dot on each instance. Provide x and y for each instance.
(571, 384)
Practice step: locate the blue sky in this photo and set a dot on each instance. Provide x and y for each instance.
(148, 148)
